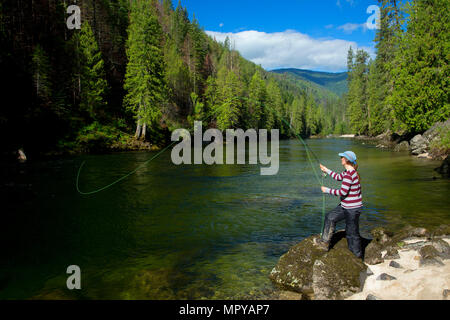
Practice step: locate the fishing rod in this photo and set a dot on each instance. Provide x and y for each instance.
(308, 151)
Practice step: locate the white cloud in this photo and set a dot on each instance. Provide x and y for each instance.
(350, 27)
(290, 49)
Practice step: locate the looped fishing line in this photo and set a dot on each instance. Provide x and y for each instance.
(307, 148)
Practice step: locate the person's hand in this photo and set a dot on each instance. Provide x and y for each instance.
(323, 168)
(324, 189)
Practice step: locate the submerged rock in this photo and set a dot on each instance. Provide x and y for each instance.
(442, 230)
(444, 169)
(289, 295)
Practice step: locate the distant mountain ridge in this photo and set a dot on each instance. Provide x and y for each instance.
(334, 82)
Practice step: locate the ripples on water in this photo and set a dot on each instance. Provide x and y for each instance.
(190, 232)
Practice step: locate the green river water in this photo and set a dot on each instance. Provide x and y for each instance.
(190, 232)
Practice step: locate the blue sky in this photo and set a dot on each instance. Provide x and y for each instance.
(308, 34)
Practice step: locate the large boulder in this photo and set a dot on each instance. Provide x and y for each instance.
(381, 237)
(338, 275)
(402, 146)
(308, 269)
(294, 269)
(435, 131)
(418, 145)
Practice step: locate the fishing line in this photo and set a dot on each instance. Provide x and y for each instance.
(122, 178)
(308, 151)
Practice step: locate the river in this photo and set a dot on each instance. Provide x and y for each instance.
(190, 232)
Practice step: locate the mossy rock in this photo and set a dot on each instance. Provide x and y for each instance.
(429, 256)
(429, 251)
(406, 233)
(441, 231)
(338, 275)
(294, 269)
(372, 254)
(442, 247)
(391, 254)
(151, 285)
(381, 236)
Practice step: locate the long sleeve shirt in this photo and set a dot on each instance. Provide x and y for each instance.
(350, 191)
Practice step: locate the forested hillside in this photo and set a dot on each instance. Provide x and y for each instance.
(406, 88)
(135, 70)
(334, 82)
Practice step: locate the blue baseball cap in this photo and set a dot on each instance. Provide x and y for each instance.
(349, 155)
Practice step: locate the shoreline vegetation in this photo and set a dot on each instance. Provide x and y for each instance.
(89, 90)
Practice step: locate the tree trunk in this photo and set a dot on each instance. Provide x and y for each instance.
(137, 135)
(144, 131)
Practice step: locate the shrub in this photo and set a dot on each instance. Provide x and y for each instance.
(99, 138)
(440, 146)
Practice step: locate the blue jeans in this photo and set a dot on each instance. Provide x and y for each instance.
(351, 217)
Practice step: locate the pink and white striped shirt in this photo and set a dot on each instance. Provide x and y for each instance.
(350, 191)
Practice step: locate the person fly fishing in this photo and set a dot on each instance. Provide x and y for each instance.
(350, 207)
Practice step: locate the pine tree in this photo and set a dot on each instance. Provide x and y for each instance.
(298, 116)
(178, 79)
(180, 25)
(313, 116)
(350, 58)
(41, 74)
(198, 55)
(274, 111)
(256, 100)
(93, 85)
(358, 111)
(380, 81)
(421, 72)
(210, 96)
(199, 111)
(228, 107)
(145, 79)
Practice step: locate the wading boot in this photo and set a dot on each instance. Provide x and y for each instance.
(318, 242)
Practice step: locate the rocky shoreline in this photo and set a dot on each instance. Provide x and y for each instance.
(421, 145)
(412, 264)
